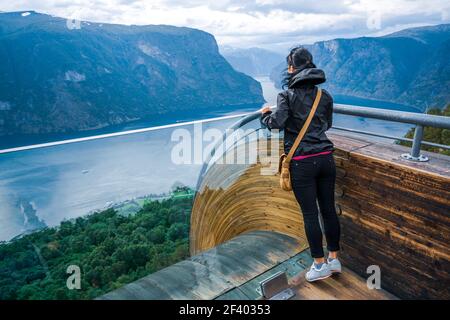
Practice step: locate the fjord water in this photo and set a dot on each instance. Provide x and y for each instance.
(45, 186)
(52, 184)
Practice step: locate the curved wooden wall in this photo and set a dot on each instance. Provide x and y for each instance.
(234, 199)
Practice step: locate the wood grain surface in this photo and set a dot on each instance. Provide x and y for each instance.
(213, 272)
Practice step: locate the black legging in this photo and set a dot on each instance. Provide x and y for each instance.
(314, 179)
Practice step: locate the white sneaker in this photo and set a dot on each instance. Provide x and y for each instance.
(334, 265)
(315, 274)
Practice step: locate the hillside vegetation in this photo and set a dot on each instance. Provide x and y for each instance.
(436, 135)
(410, 67)
(57, 79)
(110, 249)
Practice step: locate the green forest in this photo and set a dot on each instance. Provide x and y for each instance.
(111, 250)
(436, 135)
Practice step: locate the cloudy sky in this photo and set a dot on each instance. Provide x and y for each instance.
(271, 24)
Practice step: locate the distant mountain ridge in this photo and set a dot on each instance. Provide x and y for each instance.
(59, 79)
(410, 67)
(255, 62)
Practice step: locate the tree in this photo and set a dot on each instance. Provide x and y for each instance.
(436, 135)
(110, 249)
(177, 231)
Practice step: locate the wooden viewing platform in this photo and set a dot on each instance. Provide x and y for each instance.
(394, 214)
(234, 269)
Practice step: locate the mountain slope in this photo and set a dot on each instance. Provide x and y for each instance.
(409, 67)
(255, 62)
(56, 79)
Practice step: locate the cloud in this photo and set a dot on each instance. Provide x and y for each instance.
(273, 24)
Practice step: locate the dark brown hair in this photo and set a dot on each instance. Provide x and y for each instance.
(299, 58)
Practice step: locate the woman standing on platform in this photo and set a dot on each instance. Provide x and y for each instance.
(313, 170)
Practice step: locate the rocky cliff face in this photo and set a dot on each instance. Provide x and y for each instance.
(55, 78)
(409, 67)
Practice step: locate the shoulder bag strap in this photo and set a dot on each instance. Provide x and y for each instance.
(305, 127)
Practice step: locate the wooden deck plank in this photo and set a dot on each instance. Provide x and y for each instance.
(346, 286)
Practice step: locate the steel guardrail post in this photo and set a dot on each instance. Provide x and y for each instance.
(415, 149)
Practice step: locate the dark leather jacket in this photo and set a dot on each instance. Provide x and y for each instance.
(293, 107)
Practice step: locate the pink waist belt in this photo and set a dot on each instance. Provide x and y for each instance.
(311, 155)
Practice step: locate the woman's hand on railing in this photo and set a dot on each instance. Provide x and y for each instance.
(266, 109)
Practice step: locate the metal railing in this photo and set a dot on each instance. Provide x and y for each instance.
(418, 119)
(120, 134)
